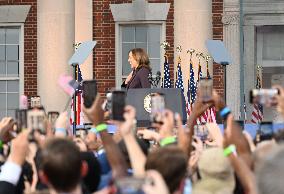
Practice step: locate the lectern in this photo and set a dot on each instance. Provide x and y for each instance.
(141, 100)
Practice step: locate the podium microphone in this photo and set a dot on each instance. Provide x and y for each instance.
(154, 79)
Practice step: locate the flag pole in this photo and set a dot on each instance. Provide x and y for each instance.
(165, 45)
(74, 124)
(178, 49)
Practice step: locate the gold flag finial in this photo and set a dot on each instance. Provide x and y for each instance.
(191, 51)
(165, 45)
(178, 49)
(77, 45)
(208, 58)
(199, 55)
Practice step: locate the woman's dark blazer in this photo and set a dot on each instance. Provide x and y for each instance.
(139, 79)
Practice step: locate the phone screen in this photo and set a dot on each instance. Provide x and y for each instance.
(117, 104)
(35, 120)
(206, 87)
(52, 117)
(130, 185)
(240, 123)
(201, 131)
(266, 131)
(89, 92)
(157, 107)
(21, 119)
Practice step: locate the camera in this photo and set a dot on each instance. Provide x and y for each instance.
(263, 96)
(157, 107)
(206, 89)
(116, 104)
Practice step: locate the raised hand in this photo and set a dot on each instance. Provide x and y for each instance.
(19, 148)
(95, 114)
(127, 126)
(6, 127)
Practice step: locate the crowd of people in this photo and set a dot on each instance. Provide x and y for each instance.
(168, 158)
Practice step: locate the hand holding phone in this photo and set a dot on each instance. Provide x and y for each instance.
(36, 120)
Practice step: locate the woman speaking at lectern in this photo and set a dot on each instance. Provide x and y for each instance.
(140, 65)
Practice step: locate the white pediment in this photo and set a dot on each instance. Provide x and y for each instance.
(14, 13)
(140, 10)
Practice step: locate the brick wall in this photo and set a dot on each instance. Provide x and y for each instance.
(30, 45)
(104, 34)
(217, 11)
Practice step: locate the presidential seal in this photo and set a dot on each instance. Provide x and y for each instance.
(147, 103)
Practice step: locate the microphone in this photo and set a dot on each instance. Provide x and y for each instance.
(158, 75)
(154, 79)
(150, 76)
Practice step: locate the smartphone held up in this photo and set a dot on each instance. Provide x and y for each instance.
(157, 107)
(116, 104)
(206, 89)
(89, 92)
(264, 97)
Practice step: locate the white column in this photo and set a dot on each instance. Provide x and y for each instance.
(232, 43)
(193, 26)
(56, 36)
(84, 32)
(249, 64)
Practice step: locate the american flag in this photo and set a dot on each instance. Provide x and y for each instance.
(167, 77)
(257, 112)
(188, 98)
(199, 73)
(79, 100)
(207, 69)
(179, 81)
(192, 85)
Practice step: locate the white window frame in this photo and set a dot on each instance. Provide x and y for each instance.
(266, 63)
(118, 46)
(21, 56)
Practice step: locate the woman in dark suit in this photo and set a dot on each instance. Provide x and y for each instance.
(140, 64)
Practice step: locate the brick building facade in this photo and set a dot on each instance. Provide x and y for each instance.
(30, 45)
(104, 32)
(217, 11)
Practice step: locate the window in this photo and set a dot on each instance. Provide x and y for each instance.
(9, 70)
(146, 36)
(270, 55)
